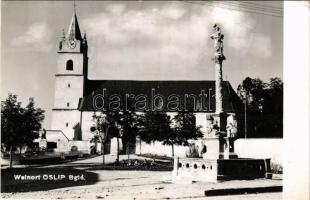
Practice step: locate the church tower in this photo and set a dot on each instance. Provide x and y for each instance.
(70, 81)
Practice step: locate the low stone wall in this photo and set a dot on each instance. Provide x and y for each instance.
(260, 148)
(195, 169)
(83, 146)
(206, 170)
(243, 168)
(159, 149)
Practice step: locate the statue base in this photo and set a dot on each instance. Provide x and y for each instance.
(209, 170)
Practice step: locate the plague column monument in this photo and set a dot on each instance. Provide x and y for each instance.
(219, 162)
(218, 140)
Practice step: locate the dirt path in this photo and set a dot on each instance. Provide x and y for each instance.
(121, 184)
(141, 185)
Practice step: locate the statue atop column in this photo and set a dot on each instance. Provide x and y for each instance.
(218, 38)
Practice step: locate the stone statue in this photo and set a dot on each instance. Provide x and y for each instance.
(43, 135)
(63, 39)
(218, 38)
(231, 127)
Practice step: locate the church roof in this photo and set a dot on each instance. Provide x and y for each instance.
(231, 102)
(74, 29)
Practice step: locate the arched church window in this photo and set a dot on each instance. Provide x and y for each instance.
(69, 65)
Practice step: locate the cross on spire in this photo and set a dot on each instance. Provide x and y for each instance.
(74, 29)
(74, 6)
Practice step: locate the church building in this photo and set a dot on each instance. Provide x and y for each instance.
(77, 97)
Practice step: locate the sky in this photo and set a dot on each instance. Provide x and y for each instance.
(135, 40)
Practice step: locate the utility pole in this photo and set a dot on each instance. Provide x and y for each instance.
(245, 117)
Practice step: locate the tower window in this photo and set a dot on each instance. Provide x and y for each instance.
(69, 65)
(69, 85)
(67, 124)
(68, 104)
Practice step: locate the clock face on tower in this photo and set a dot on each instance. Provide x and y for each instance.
(71, 43)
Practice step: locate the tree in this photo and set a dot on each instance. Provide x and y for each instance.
(105, 128)
(252, 91)
(184, 129)
(272, 107)
(158, 126)
(20, 126)
(33, 117)
(154, 126)
(129, 127)
(264, 103)
(117, 124)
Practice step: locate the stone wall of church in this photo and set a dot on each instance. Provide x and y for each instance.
(87, 122)
(77, 59)
(68, 90)
(65, 120)
(81, 146)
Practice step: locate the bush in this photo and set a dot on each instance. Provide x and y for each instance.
(276, 168)
(139, 164)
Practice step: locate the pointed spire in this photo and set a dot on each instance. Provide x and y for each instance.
(63, 35)
(74, 29)
(74, 6)
(84, 38)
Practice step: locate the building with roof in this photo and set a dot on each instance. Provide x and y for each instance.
(77, 97)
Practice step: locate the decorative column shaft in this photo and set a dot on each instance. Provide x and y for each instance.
(218, 58)
(218, 88)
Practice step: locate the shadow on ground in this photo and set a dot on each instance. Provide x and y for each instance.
(44, 179)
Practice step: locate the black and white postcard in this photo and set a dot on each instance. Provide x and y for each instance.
(154, 100)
